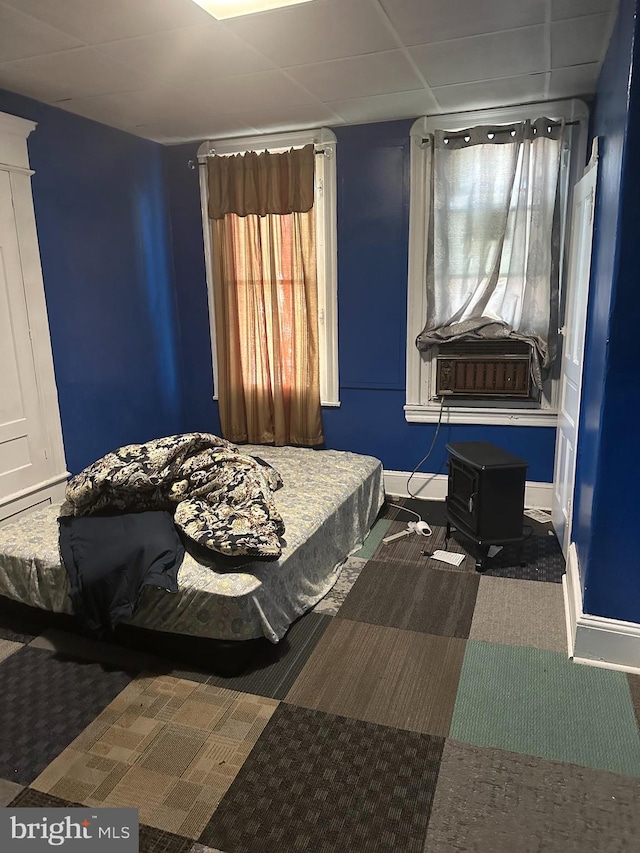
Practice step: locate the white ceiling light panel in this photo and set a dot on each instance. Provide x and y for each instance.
(222, 9)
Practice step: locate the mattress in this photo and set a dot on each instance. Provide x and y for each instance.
(328, 502)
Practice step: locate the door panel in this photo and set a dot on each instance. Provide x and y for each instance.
(573, 353)
(22, 446)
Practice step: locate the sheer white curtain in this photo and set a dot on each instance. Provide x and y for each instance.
(493, 247)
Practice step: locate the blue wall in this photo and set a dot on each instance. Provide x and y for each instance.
(373, 226)
(126, 291)
(606, 515)
(106, 258)
(200, 411)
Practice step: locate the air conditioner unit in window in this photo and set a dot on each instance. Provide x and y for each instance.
(484, 369)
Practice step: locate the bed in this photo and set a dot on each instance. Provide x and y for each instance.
(328, 502)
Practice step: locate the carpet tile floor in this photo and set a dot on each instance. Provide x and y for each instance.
(538, 702)
(322, 782)
(420, 708)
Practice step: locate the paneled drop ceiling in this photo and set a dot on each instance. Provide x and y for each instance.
(165, 70)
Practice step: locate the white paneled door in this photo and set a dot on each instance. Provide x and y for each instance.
(23, 460)
(584, 194)
(32, 464)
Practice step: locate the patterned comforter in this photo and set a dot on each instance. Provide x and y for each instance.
(221, 497)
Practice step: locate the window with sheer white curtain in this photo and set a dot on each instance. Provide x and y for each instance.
(487, 209)
(493, 243)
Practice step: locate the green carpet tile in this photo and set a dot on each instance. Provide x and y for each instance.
(634, 687)
(376, 535)
(538, 702)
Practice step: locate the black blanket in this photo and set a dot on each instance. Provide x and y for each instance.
(109, 559)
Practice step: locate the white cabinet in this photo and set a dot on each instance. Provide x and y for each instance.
(32, 464)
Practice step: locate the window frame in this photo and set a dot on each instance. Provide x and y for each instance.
(421, 406)
(324, 140)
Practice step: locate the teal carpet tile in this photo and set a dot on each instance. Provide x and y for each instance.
(375, 537)
(538, 702)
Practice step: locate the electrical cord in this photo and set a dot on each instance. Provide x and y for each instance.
(397, 506)
(429, 452)
(421, 526)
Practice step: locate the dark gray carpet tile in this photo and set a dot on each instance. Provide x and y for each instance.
(151, 840)
(416, 598)
(542, 556)
(30, 799)
(541, 552)
(389, 511)
(112, 655)
(433, 512)
(45, 703)
(158, 841)
(277, 666)
(492, 801)
(77, 647)
(8, 792)
(409, 549)
(323, 783)
(200, 848)
(634, 687)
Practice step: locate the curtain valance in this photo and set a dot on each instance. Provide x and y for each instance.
(262, 183)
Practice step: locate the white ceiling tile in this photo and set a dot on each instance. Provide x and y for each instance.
(314, 32)
(181, 55)
(427, 21)
(275, 120)
(22, 37)
(96, 21)
(561, 9)
(71, 74)
(491, 93)
(574, 81)
(170, 130)
(578, 40)
(125, 109)
(385, 107)
(359, 76)
(236, 95)
(505, 54)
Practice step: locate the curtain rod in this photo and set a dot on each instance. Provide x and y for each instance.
(193, 164)
(572, 123)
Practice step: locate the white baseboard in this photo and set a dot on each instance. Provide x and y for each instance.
(596, 640)
(433, 487)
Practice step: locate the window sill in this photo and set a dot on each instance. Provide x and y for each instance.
(417, 414)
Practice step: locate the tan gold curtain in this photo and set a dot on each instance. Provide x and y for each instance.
(265, 291)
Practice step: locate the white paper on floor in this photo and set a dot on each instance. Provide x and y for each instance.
(541, 515)
(448, 557)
